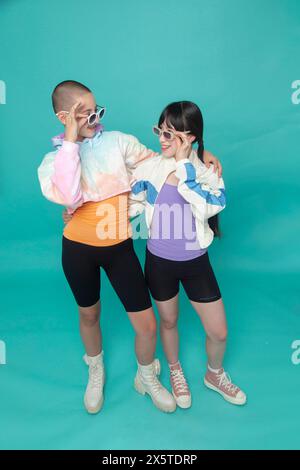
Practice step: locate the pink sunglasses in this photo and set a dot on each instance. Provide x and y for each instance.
(168, 135)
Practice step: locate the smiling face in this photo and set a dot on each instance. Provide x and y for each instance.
(169, 147)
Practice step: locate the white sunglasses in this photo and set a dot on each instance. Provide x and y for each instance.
(168, 135)
(93, 117)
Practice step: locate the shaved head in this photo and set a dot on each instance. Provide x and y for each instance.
(66, 93)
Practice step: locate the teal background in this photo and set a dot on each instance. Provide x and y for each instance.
(236, 59)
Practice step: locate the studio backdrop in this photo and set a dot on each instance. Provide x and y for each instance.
(239, 61)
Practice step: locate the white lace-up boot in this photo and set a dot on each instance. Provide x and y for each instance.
(93, 397)
(146, 381)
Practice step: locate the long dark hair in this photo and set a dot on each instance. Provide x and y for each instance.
(186, 116)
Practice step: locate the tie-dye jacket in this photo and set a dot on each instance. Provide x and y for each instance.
(92, 170)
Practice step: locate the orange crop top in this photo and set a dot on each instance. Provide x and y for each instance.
(103, 223)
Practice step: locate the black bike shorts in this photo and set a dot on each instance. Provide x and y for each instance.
(81, 264)
(196, 275)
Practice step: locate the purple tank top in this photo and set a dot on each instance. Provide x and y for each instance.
(173, 228)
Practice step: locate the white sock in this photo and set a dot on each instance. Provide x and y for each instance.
(215, 371)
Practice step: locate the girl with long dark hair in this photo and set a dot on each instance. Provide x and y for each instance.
(182, 198)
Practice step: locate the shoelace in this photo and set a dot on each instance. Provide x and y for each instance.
(225, 380)
(154, 382)
(95, 375)
(179, 381)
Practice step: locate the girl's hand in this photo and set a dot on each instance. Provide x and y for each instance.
(71, 131)
(66, 216)
(184, 146)
(209, 158)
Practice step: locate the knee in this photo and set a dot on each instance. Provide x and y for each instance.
(148, 329)
(168, 323)
(89, 318)
(219, 335)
